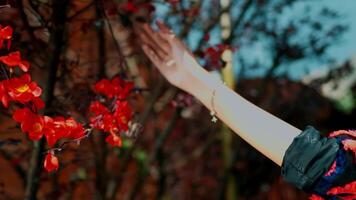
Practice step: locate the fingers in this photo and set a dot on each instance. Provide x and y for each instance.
(163, 27)
(165, 33)
(151, 54)
(153, 57)
(169, 36)
(155, 40)
(154, 47)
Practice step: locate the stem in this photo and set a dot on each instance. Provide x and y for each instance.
(155, 155)
(4, 71)
(57, 36)
(117, 44)
(34, 171)
(101, 150)
(24, 19)
(115, 184)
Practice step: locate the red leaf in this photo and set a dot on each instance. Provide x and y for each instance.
(51, 162)
(206, 37)
(123, 114)
(20, 114)
(31, 123)
(114, 140)
(4, 97)
(116, 87)
(6, 34)
(97, 108)
(14, 59)
(21, 89)
(38, 103)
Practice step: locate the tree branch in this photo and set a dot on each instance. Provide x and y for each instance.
(57, 36)
(115, 185)
(155, 155)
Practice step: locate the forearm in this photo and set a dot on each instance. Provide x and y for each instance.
(268, 134)
(265, 132)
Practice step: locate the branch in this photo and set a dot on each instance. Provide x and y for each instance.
(238, 22)
(20, 171)
(25, 22)
(86, 8)
(157, 151)
(115, 185)
(117, 45)
(189, 23)
(101, 148)
(57, 36)
(37, 12)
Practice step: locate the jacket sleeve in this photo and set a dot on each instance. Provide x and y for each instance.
(318, 164)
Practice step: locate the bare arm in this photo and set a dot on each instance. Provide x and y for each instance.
(265, 132)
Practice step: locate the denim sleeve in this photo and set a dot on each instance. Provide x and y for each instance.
(308, 158)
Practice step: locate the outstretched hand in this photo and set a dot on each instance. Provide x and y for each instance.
(169, 54)
(178, 66)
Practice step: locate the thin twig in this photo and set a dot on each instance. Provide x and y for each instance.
(155, 153)
(57, 36)
(70, 18)
(117, 45)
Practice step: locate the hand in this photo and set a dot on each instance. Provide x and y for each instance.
(172, 58)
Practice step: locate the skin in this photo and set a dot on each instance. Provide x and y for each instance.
(265, 132)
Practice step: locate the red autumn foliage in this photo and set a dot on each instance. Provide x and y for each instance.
(53, 129)
(132, 7)
(114, 140)
(113, 118)
(111, 122)
(31, 123)
(213, 54)
(4, 96)
(69, 128)
(122, 114)
(129, 7)
(26, 92)
(22, 89)
(97, 108)
(78, 63)
(51, 162)
(5, 35)
(37, 103)
(206, 37)
(14, 59)
(114, 121)
(116, 87)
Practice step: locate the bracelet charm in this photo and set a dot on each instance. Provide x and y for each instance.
(213, 112)
(213, 117)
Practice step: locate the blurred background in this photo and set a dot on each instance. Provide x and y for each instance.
(295, 59)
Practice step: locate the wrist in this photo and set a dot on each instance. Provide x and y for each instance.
(199, 82)
(203, 86)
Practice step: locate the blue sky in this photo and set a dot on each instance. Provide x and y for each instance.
(343, 50)
(347, 47)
